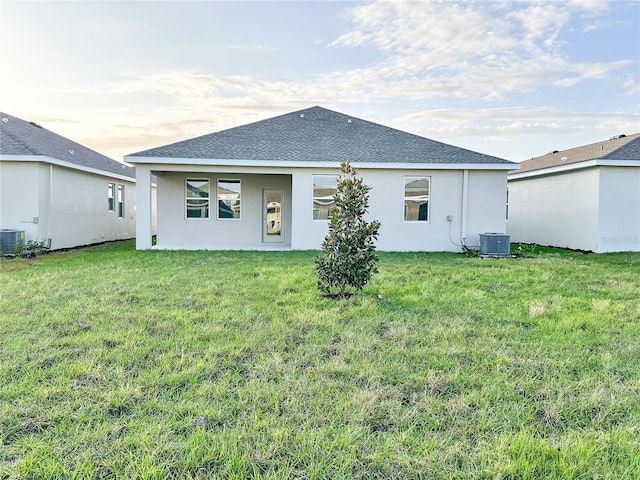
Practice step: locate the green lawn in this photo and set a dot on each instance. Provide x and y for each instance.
(123, 364)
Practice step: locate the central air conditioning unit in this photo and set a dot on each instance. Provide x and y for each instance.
(10, 239)
(495, 244)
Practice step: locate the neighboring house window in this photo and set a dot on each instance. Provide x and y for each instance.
(111, 196)
(197, 201)
(416, 199)
(507, 212)
(229, 199)
(121, 201)
(324, 191)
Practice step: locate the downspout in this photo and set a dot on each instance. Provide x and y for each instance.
(50, 207)
(463, 216)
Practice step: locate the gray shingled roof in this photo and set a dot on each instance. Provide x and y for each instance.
(625, 147)
(318, 135)
(18, 137)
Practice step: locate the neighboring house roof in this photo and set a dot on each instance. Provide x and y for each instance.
(19, 138)
(623, 147)
(317, 134)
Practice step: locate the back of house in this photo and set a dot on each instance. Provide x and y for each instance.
(270, 185)
(58, 192)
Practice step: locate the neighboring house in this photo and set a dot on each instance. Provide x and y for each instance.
(584, 198)
(60, 192)
(270, 185)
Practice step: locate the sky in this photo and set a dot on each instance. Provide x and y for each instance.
(513, 79)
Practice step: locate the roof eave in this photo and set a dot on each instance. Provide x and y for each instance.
(573, 166)
(63, 163)
(328, 164)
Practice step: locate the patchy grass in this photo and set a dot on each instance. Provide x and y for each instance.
(123, 364)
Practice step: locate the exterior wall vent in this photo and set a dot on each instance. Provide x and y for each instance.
(495, 244)
(10, 239)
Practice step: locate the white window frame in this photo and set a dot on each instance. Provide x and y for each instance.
(111, 197)
(410, 197)
(187, 198)
(314, 198)
(219, 199)
(120, 201)
(506, 215)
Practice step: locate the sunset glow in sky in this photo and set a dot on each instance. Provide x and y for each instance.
(511, 79)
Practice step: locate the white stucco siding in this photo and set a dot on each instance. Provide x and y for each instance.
(619, 210)
(70, 205)
(146, 202)
(20, 195)
(486, 199)
(486, 205)
(80, 214)
(559, 210)
(484, 211)
(175, 231)
(307, 234)
(45, 205)
(387, 206)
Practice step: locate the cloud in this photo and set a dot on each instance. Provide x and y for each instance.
(470, 49)
(460, 53)
(430, 50)
(195, 104)
(514, 122)
(516, 133)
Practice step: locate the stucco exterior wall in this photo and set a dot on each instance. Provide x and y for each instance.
(560, 210)
(70, 205)
(619, 210)
(175, 231)
(20, 192)
(80, 213)
(484, 210)
(487, 204)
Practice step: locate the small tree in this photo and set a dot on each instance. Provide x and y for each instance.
(348, 257)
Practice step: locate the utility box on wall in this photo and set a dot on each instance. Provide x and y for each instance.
(495, 244)
(10, 240)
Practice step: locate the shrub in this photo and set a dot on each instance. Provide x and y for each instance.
(348, 257)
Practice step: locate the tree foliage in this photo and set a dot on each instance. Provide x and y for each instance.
(348, 257)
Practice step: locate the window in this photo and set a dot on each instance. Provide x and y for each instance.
(229, 199)
(197, 201)
(324, 190)
(111, 196)
(416, 199)
(507, 209)
(121, 201)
